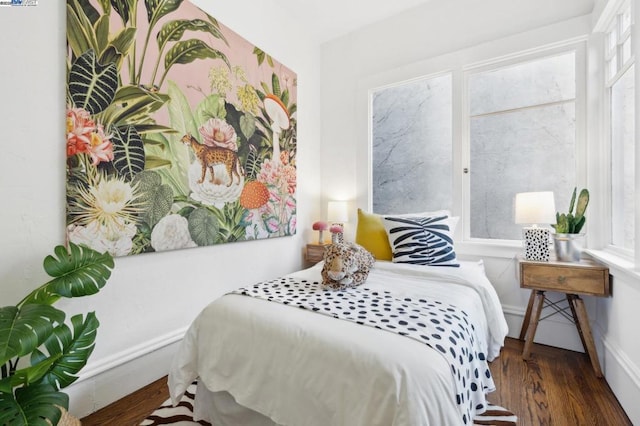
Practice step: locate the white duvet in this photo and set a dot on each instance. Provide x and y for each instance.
(301, 368)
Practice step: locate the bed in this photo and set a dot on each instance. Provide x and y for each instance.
(259, 362)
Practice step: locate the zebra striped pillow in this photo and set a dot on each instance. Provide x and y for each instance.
(421, 240)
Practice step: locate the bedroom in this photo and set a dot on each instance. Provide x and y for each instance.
(151, 299)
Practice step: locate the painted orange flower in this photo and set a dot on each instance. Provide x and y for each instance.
(85, 136)
(80, 127)
(100, 148)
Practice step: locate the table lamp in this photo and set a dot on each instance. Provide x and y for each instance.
(535, 208)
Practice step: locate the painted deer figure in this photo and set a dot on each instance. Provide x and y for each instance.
(210, 156)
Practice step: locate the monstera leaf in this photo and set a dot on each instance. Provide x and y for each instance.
(23, 329)
(69, 350)
(30, 395)
(32, 406)
(91, 85)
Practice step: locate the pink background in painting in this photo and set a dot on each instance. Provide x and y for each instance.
(192, 77)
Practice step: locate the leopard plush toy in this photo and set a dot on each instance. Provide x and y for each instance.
(345, 265)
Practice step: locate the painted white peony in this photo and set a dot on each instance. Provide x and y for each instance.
(171, 233)
(117, 240)
(215, 193)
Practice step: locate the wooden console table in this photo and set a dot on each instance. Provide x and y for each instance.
(571, 278)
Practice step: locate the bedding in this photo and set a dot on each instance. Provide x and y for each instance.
(292, 366)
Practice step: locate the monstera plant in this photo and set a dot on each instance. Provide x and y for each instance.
(34, 328)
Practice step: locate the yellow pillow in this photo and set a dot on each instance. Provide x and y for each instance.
(371, 235)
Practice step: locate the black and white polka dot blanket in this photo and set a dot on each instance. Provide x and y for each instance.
(442, 327)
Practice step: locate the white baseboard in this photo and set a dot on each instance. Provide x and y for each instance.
(114, 377)
(553, 331)
(623, 377)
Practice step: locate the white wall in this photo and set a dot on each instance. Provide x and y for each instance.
(432, 38)
(151, 298)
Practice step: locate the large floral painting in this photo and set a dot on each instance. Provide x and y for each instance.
(180, 133)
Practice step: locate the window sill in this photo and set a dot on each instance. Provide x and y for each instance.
(618, 265)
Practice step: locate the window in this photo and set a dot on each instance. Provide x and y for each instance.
(621, 88)
(412, 146)
(522, 136)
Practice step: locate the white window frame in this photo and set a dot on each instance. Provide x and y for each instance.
(610, 21)
(579, 48)
(543, 42)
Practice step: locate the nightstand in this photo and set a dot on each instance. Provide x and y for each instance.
(571, 278)
(315, 252)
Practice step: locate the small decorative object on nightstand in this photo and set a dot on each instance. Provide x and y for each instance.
(314, 253)
(571, 278)
(535, 208)
(337, 214)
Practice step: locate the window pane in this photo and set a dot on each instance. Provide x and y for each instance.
(613, 66)
(531, 149)
(412, 146)
(532, 83)
(622, 160)
(626, 50)
(625, 20)
(523, 141)
(612, 39)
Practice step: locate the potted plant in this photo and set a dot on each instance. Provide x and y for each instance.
(568, 227)
(30, 389)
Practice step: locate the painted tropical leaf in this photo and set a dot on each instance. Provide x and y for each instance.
(133, 105)
(153, 162)
(272, 224)
(156, 9)
(210, 107)
(128, 152)
(247, 125)
(261, 56)
(203, 227)
(174, 30)
(252, 165)
(91, 85)
(101, 30)
(25, 328)
(32, 406)
(90, 11)
(106, 6)
(80, 32)
(119, 46)
(275, 84)
(187, 51)
(123, 8)
(71, 350)
(155, 196)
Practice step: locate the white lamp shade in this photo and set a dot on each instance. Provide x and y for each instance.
(535, 208)
(338, 211)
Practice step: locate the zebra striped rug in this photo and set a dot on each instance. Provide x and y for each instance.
(182, 414)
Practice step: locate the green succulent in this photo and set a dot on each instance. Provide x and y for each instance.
(30, 391)
(572, 222)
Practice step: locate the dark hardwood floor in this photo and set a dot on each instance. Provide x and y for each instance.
(555, 387)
